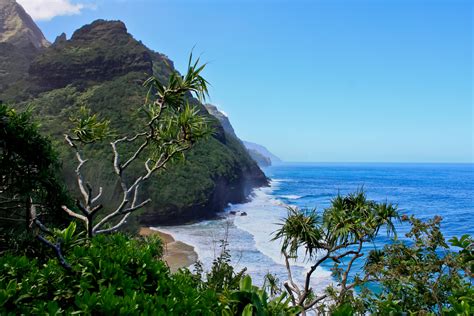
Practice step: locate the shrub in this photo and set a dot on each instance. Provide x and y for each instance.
(112, 274)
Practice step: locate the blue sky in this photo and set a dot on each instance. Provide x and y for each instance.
(324, 81)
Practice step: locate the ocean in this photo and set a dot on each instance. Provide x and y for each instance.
(424, 190)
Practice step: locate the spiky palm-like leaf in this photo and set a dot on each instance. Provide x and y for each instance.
(300, 229)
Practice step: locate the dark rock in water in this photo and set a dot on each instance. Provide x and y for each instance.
(232, 212)
(243, 214)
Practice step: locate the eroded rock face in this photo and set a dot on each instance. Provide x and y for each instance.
(20, 42)
(96, 52)
(18, 28)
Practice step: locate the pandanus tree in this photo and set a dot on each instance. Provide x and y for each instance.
(337, 234)
(172, 126)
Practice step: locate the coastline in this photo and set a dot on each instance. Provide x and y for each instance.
(176, 254)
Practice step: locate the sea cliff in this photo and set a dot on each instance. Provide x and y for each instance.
(103, 67)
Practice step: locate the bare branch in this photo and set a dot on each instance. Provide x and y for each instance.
(114, 228)
(117, 169)
(74, 214)
(57, 249)
(357, 254)
(290, 275)
(135, 155)
(314, 302)
(97, 196)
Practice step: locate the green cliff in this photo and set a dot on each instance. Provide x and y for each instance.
(103, 67)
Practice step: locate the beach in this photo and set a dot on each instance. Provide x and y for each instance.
(176, 254)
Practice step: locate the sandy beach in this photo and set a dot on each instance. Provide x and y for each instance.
(176, 253)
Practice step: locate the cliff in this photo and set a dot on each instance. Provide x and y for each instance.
(20, 41)
(18, 28)
(103, 67)
(262, 151)
(258, 153)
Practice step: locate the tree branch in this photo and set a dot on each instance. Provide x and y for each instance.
(57, 249)
(74, 214)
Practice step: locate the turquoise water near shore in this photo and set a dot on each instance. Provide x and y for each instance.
(424, 190)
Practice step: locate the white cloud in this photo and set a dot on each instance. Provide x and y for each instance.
(47, 9)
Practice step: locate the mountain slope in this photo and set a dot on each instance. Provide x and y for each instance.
(102, 66)
(18, 28)
(262, 150)
(20, 42)
(258, 153)
(223, 119)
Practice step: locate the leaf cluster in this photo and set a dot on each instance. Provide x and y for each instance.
(423, 274)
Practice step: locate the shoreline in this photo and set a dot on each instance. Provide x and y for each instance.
(176, 254)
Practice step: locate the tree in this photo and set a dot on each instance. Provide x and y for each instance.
(28, 173)
(340, 232)
(172, 126)
(422, 275)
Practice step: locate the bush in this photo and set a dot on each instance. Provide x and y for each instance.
(112, 274)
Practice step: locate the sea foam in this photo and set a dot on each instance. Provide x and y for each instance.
(249, 239)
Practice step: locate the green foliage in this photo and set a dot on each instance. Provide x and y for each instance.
(88, 128)
(466, 254)
(28, 174)
(422, 276)
(116, 274)
(300, 229)
(250, 300)
(338, 233)
(112, 275)
(222, 277)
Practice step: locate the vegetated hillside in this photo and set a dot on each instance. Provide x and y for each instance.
(261, 160)
(103, 67)
(262, 150)
(222, 117)
(262, 157)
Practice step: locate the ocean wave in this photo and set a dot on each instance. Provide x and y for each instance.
(249, 239)
(264, 213)
(291, 197)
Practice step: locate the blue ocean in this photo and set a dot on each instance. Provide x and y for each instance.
(424, 190)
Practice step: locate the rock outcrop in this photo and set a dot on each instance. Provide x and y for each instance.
(18, 28)
(20, 41)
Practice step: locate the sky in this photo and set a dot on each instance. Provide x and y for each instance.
(315, 81)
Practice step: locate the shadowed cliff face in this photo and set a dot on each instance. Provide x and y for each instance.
(103, 67)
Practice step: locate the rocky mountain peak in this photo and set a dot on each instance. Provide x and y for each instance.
(97, 52)
(101, 29)
(18, 28)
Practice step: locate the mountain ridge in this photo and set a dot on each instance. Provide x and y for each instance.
(259, 153)
(102, 67)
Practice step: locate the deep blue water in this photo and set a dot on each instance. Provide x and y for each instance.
(424, 190)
